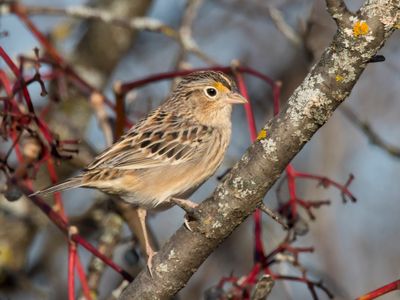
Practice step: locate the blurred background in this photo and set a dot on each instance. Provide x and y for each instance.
(356, 245)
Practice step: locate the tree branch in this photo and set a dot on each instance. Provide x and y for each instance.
(339, 12)
(90, 13)
(187, 43)
(326, 86)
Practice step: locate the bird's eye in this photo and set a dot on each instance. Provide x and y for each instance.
(211, 92)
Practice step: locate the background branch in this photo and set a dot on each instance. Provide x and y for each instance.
(281, 24)
(91, 13)
(369, 132)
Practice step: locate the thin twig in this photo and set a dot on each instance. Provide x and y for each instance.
(390, 287)
(281, 24)
(311, 284)
(91, 13)
(185, 30)
(119, 110)
(188, 44)
(97, 102)
(83, 279)
(84, 12)
(370, 133)
(71, 262)
(273, 215)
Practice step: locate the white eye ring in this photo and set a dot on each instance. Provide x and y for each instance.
(211, 92)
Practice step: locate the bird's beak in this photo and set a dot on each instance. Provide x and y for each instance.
(235, 98)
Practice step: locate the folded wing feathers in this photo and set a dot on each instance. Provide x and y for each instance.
(65, 185)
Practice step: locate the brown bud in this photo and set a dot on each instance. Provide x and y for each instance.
(31, 148)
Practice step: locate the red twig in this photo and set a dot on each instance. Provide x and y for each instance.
(249, 111)
(71, 263)
(43, 128)
(286, 247)
(310, 284)
(251, 278)
(292, 191)
(230, 279)
(326, 182)
(308, 205)
(82, 278)
(59, 207)
(20, 11)
(393, 286)
(290, 208)
(9, 107)
(127, 86)
(6, 83)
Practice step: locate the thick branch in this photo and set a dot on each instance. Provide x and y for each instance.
(326, 86)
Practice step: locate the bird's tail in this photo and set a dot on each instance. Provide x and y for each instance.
(70, 183)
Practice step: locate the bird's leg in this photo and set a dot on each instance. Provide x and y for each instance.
(188, 206)
(149, 250)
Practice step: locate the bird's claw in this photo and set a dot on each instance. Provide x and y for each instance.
(186, 222)
(150, 262)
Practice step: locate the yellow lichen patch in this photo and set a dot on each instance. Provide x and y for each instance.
(6, 255)
(169, 31)
(339, 78)
(62, 31)
(220, 87)
(360, 28)
(262, 135)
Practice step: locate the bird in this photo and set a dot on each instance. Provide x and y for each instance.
(169, 153)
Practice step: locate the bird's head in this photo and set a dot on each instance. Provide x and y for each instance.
(209, 95)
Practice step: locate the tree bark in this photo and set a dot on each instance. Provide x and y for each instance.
(330, 81)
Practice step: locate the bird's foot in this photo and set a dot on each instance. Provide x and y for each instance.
(189, 207)
(150, 254)
(186, 222)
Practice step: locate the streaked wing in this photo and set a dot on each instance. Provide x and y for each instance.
(160, 139)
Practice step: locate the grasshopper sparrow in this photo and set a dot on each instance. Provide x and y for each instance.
(167, 155)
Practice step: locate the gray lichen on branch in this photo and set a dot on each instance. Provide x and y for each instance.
(330, 81)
